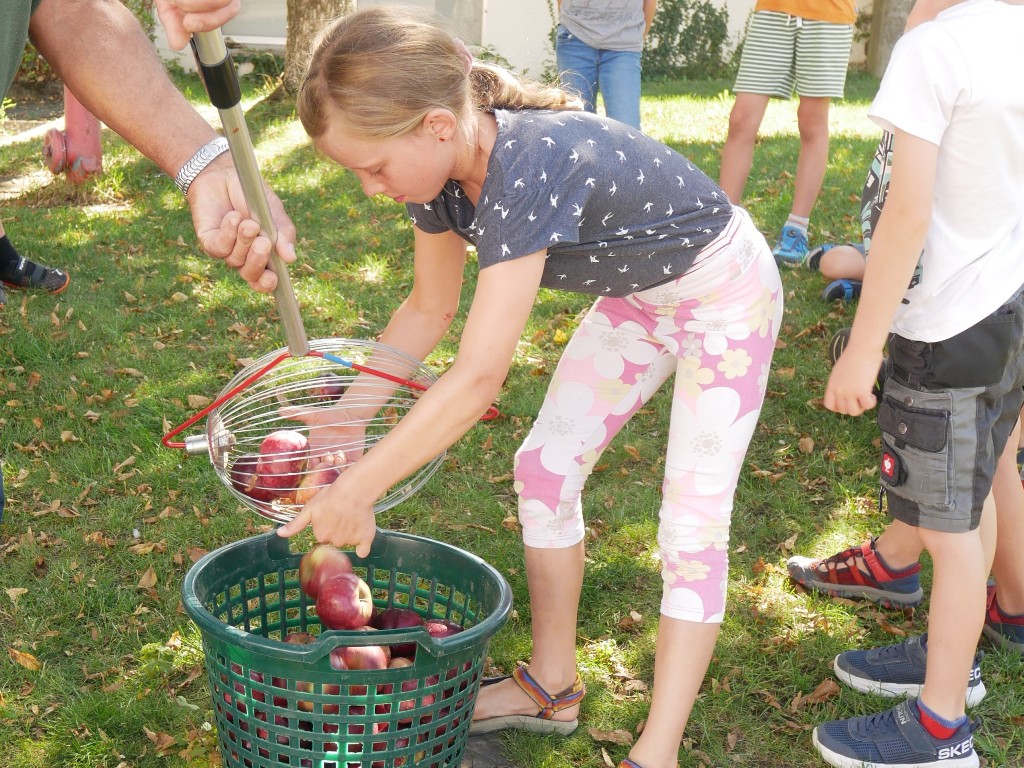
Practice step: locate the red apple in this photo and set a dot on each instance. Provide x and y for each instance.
(242, 474)
(320, 564)
(441, 628)
(399, 661)
(344, 602)
(283, 457)
(399, 618)
(299, 638)
(318, 477)
(328, 387)
(365, 657)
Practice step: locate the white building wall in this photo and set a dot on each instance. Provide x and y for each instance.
(518, 30)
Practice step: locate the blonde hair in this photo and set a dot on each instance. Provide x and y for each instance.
(384, 68)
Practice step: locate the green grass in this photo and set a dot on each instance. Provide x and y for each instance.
(93, 378)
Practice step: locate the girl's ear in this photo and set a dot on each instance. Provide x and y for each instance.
(440, 124)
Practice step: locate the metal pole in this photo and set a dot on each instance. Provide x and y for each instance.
(221, 82)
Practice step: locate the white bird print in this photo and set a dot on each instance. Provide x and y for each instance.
(624, 268)
(532, 216)
(699, 203)
(594, 259)
(621, 154)
(555, 237)
(650, 231)
(577, 209)
(589, 282)
(657, 162)
(559, 122)
(427, 207)
(562, 277)
(577, 118)
(706, 231)
(681, 182)
(503, 209)
(715, 210)
(548, 140)
(575, 156)
(519, 183)
(554, 201)
(581, 221)
(607, 289)
(607, 216)
(612, 189)
(591, 142)
(500, 121)
(510, 142)
(590, 182)
(602, 244)
(667, 269)
(689, 167)
(621, 231)
(640, 178)
(413, 218)
(648, 206)
(480, 231)
(630, 135)
(543, 175)
(685, 241)
(604, 126)
(670, 210)
(634, 286)
(714, 195)
(505, 250)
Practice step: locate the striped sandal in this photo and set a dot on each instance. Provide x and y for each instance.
(543, 721)
(627, 763)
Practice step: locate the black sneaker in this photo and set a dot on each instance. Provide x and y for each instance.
(27, 274)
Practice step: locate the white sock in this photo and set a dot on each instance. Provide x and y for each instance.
(799, 222)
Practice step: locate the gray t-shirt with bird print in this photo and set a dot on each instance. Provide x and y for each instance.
(617, 211)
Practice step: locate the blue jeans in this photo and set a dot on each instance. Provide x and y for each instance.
(586, 70)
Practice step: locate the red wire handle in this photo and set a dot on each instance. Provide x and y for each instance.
(491, 412)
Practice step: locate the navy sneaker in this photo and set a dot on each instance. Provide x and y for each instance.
(846, 290)
(791, 250)
(894, 739)
(856, 573)
(1003, 630)
(897, 670)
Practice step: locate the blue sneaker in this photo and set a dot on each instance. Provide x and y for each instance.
(1003, 630)
(897, 670)
(894, 739)
(791, 248)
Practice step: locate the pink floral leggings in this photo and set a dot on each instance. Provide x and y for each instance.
(715, 328)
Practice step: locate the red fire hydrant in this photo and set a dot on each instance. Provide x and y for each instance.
(77, 148)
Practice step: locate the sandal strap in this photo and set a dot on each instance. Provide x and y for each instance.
(28, 274)
(627, 763)
(548, 704)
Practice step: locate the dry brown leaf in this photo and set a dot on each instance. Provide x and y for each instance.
(510, 523)
(163, 741)
(27, 660)
(606, 758)
(618, 736)
(827, 689)
(132, 372)
(148, 579)
(126, 463)
(15, 592)
(198, 401)
(806, 445)
(632, 451)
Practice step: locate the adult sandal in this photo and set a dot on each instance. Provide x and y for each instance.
(27, 274)
(543, 721)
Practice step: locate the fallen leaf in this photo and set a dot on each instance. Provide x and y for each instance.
(148, 579)
(15, 592)
(27, 660)
(827, 689)
(618, 736)
(606, 758)
(198, 401)
(806, 445)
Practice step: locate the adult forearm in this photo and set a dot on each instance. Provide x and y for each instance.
(104, 57)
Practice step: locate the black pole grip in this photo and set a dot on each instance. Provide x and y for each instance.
(220, 80)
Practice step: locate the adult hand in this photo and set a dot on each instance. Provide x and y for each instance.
(853, 377)
(182, 18)
(227, 231)
(339, 516)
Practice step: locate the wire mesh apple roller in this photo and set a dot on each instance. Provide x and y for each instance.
(363, 387)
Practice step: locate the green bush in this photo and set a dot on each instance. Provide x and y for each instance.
(687, 40)
(35, 71)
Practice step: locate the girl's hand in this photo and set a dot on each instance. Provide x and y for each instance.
(331, 431)
(340, 515)
(853, 377)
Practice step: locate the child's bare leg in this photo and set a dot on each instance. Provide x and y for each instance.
(1007, 567)
(957, 613)
(555, 578)
(843, 262)
(680, 663)
(738, 152)
(812, 121)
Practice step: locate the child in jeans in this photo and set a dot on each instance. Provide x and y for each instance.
(955, 369)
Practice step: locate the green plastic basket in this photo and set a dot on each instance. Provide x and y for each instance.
(280, 704)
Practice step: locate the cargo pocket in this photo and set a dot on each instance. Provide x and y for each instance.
(915, 462)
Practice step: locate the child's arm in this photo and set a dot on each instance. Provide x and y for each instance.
(895, 250)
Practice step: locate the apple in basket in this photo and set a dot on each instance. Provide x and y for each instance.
(320, 564)
(360, 657)
(442, 628)
(344, 602)
(399, 618)
(322, 471)
(242, 474)
(283, 457)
